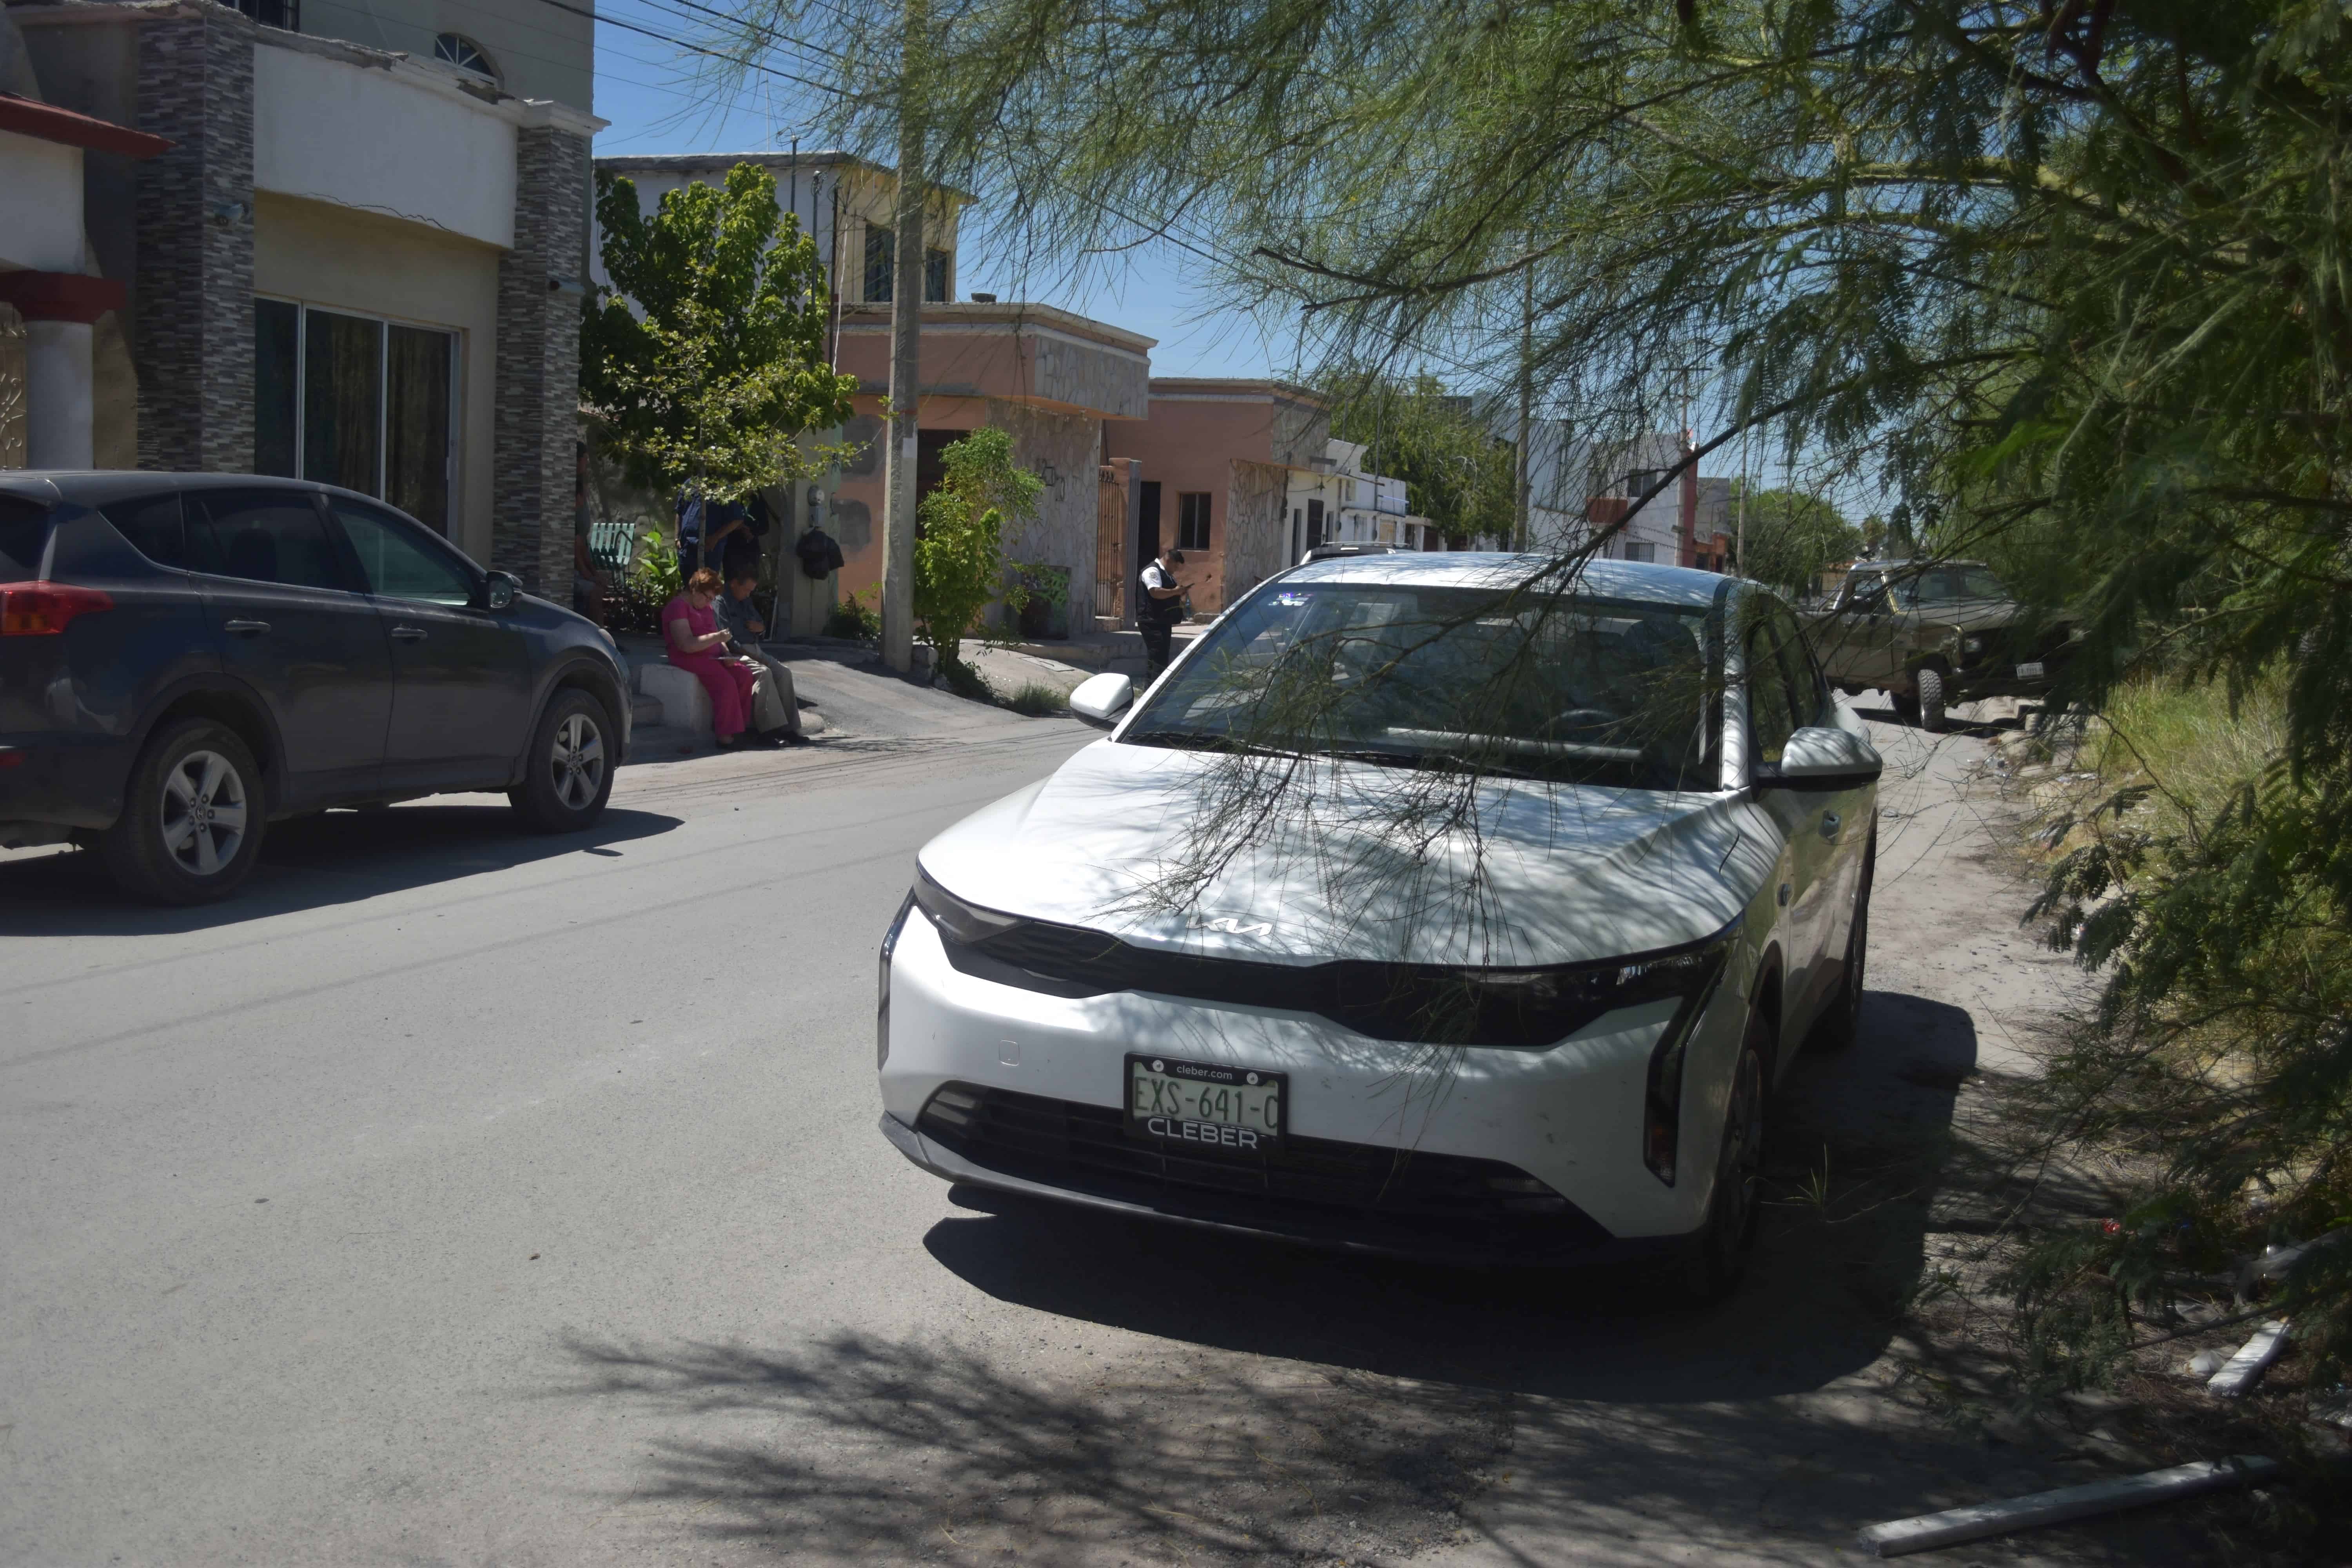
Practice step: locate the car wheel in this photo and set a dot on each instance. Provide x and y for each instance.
(1841, 1025)
(1718, 1256)
(568, 773)
(1906, 705)
(192, 817)
(1931, 701)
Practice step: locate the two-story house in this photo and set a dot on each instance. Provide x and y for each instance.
(357, 258)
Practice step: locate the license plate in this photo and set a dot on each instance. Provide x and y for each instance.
(2028, 672)
(1206, 1105)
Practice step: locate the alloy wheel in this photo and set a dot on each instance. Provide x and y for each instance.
(1738, 1177)
(205, 813)
(577, 761)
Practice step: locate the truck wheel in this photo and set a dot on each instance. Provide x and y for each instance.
(567, 772)
(1931, 700)
(191, 817)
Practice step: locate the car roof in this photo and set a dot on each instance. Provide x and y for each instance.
(1902, 562)
(1635, 580)
(88, 486)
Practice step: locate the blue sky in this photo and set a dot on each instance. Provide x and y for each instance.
(655, 106)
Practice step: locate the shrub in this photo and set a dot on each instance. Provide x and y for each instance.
(959, 559)
(856, 618)
(1037, 699)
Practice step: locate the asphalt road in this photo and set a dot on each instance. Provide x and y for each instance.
(461, 1197)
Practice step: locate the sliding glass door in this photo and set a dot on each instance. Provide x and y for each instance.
(358, 402)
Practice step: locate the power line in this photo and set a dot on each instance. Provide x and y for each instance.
(741, 64)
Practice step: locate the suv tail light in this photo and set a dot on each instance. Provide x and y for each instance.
(43, 609)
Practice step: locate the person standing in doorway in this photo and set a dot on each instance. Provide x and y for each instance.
(1161, 607)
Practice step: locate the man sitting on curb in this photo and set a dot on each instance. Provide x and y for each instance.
(775, 710)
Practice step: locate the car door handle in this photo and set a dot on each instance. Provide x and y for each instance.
(245, 628)
(1830, 823)
(408, 633)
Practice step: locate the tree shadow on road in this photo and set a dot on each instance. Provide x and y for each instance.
(310, 862)
(1277, 1400)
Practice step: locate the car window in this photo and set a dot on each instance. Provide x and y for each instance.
(23, 533)
(1955, 584)
(1810, 693)
(395, 563)
(1772, 718)
(152, 523)
(1866, 596)
(1574, 689)
(264, 536)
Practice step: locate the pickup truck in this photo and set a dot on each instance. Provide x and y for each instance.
(1932, 634)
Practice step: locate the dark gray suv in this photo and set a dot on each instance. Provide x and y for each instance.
(187, 657)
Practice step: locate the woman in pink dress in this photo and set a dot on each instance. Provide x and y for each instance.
(692, 634)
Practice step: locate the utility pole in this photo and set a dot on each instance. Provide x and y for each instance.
(906, 340)
(1526, 392)
(1740, 549)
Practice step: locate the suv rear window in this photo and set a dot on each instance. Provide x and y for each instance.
(24, 530)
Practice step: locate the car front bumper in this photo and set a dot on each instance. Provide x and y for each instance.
(1391, 1147)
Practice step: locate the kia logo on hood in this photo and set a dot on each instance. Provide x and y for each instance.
(1229, 925)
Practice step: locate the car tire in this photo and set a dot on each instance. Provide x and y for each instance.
(1841, 1023)
(1931, 701)
(1717, 1258)
(192, 817)
(1906, 705)
(568, 771)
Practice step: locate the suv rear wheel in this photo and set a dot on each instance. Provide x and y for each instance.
(192, 818)
(567, 772)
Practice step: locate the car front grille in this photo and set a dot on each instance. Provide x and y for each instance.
(1313, 1188)
(1419, 1004)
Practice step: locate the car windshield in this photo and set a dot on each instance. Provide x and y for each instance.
(1574, 689)
(1951, 585)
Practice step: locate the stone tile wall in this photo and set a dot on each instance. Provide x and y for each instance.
(192, 340)
(531, 487)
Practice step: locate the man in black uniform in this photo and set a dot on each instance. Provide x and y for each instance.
(1158, 610)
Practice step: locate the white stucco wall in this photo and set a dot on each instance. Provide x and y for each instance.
(40, 205)
(326, 129)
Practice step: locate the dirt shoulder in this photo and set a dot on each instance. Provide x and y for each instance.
(1864, 1373)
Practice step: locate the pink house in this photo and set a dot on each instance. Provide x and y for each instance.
(1214, 463)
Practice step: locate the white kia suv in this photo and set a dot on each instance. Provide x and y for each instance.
(1450, 905)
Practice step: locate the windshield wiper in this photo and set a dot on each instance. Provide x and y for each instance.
(1440, 761)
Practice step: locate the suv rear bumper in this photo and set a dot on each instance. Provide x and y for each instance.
(63, 781)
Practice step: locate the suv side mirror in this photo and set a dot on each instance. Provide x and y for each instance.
(499, 590)
(1102, 698)
(1821, 757)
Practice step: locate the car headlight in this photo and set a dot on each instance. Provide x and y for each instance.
(1972, 645)
(882, 1002)
(1701, 970)
(961, 922)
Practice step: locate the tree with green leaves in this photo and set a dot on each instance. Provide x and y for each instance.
(1789, 537)
(2067, 282)
(959, 554)
(705, 361)
(1460, 476)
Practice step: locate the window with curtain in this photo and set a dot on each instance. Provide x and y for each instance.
(358, 402)
(342, 400)
(416, 425)
(1192, 520)
(881, 263)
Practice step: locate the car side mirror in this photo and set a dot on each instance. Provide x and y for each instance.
(1821, 757)
(499, 590)
(1103, 697)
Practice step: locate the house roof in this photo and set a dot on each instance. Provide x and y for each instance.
(720, 163)
(47, 122)
(1228, 388)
